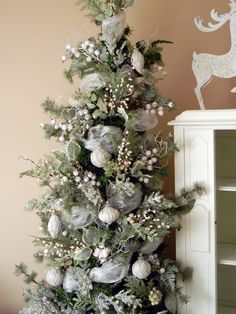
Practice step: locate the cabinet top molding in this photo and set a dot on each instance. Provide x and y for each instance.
(207, 117)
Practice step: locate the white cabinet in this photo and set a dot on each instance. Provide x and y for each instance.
(207, 241)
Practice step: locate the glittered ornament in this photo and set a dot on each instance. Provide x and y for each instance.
(137, 61)
(113, 29)
(99, 157)
(91, 82)
(108, 214)
(54, 277)
(107, 137)
(111, 271)
(141, 268)
(54, 226)
(123, 201)
(171, 303)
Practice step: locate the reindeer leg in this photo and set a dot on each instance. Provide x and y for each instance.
(198, 93)
(202, 80)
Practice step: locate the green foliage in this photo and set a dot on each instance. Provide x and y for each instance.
(100, 10)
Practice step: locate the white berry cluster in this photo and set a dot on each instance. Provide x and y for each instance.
(65, 127)
(54, 248)
(149, 158)
(79, 178)
(119, 96)
(155, 296)
(102, 253)
(70, 51)
(124, 155)
(90, 51)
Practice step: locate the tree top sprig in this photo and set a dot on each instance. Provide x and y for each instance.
(103, 9)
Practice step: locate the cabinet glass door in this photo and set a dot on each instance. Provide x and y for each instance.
(225, 144)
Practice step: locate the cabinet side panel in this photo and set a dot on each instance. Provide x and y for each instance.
(198, 233)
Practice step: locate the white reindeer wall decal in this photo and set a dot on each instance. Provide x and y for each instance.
(205, 66)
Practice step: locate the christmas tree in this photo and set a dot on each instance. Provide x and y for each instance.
(104, 215)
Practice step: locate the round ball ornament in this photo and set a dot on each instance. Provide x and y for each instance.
(99, 157)
(108, 214)
(54, 277)
(141, 268)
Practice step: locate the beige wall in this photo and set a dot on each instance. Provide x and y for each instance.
(33, 34)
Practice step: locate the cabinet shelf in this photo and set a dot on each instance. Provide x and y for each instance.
(226, 254)
(226, 310)
(226, 184)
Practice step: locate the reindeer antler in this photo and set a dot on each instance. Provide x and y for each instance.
(221, 19)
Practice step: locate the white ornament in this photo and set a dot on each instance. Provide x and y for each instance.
(54, 226)
(113, 30)
(108, 214)
(141, 268)
(204, 65)
(54, 277)
(99, 157)
(91, 82)
(137, 61)
(171, 303)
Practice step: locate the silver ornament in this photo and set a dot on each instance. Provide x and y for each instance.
(54, 226)
(108, 214)
(113, 29)
(107, 137)
(124, 201)
(145, 120)
(91, 82)
(171, 303)
(137, 61)
(54, 277)
(111, 271)
(141, 268)
(99, 157)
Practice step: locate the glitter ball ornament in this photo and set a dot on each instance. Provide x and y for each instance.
(108, 214)
(137, 60)
(54, 226)
(99, 157)
(141, 268)
(155, 296)
(54, 277)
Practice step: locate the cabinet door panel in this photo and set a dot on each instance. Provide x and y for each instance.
(196, 241)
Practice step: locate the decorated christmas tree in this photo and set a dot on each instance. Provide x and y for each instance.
(104, 214)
